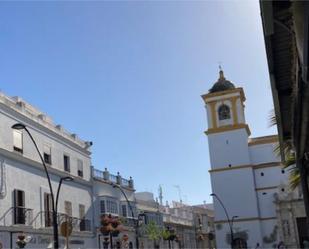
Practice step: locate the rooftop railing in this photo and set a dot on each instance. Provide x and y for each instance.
(117, 179)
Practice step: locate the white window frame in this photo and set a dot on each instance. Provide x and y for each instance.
(111, 206)
(69, 162)
(18, 142)
(47, 150)
(80, 168)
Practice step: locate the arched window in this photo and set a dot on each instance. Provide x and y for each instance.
(224, 112)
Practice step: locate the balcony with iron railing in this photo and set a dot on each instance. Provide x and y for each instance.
(21, 216)
(110, 178)
(15, 216)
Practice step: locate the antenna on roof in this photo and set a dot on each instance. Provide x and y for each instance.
(220, 65)
(179, 192)
(160, 195)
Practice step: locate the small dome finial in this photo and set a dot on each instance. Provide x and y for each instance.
(221, 73)
(222, 84)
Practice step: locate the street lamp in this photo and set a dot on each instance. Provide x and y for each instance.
(132, 212)
(228, 218)
(20, 126)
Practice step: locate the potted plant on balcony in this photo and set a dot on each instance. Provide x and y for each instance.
(21, 240)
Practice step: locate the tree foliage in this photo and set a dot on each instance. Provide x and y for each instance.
(289, 156)
(153, 231)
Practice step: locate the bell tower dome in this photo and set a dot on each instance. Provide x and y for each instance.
(227, 129)
(225, 106)
(232, 174)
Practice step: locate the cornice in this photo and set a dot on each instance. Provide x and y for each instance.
(240, 90)
(42, 129)
(266, 188)
(43, 231)
(267, 165)
(263, 140)
(228, 128)
(51, 170)
(253, 166)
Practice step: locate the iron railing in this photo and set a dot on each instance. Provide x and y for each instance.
(106, 176)
(22, 215)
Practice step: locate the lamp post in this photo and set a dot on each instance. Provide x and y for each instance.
(20, 126)
(228, 218)
(132, 213)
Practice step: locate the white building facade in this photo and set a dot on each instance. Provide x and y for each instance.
(245, 172)
(25, 200)
(115, 201)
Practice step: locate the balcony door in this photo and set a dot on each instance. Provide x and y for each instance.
(19, 207)
(48, 210)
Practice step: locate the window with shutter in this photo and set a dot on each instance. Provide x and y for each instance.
(19, 207)
(81, 211)
(18, 141)
(66, 163)
(47, 154)
(80, 171)
(102, 206)
(48, 210)
(68, 208)
(124, 210)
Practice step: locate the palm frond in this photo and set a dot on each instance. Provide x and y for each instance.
(294, 178)
(272, 118)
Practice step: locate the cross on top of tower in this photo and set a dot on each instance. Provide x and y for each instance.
(222, 84)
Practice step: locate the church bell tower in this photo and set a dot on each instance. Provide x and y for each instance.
(227, 129)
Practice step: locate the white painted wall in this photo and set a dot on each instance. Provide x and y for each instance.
(229, 148)
(252, 228)
(41, 135)
(263, 153)
(24, 171)
(266, 203)
(268, 227)
(234, 187)
(270, 176)
(240, 111)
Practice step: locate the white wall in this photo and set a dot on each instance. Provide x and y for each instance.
(263, 153)
(102, 190)
(252, 228)
(270, 176)
(234, 187)
(268, 228)
(24, 171)
(42, 135)
(229, 148)
(34, 183)
(266, 203)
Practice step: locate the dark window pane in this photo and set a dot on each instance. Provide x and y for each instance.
(66, 163)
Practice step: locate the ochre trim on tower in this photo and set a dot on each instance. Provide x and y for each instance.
(267, 165)
(228, 128)
(263, 140)
(254, 166)
(234, 109)
(230, 168)
(212, 106)
(222, 93)
(266, 188)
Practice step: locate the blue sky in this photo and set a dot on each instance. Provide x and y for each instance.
(129, 75)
